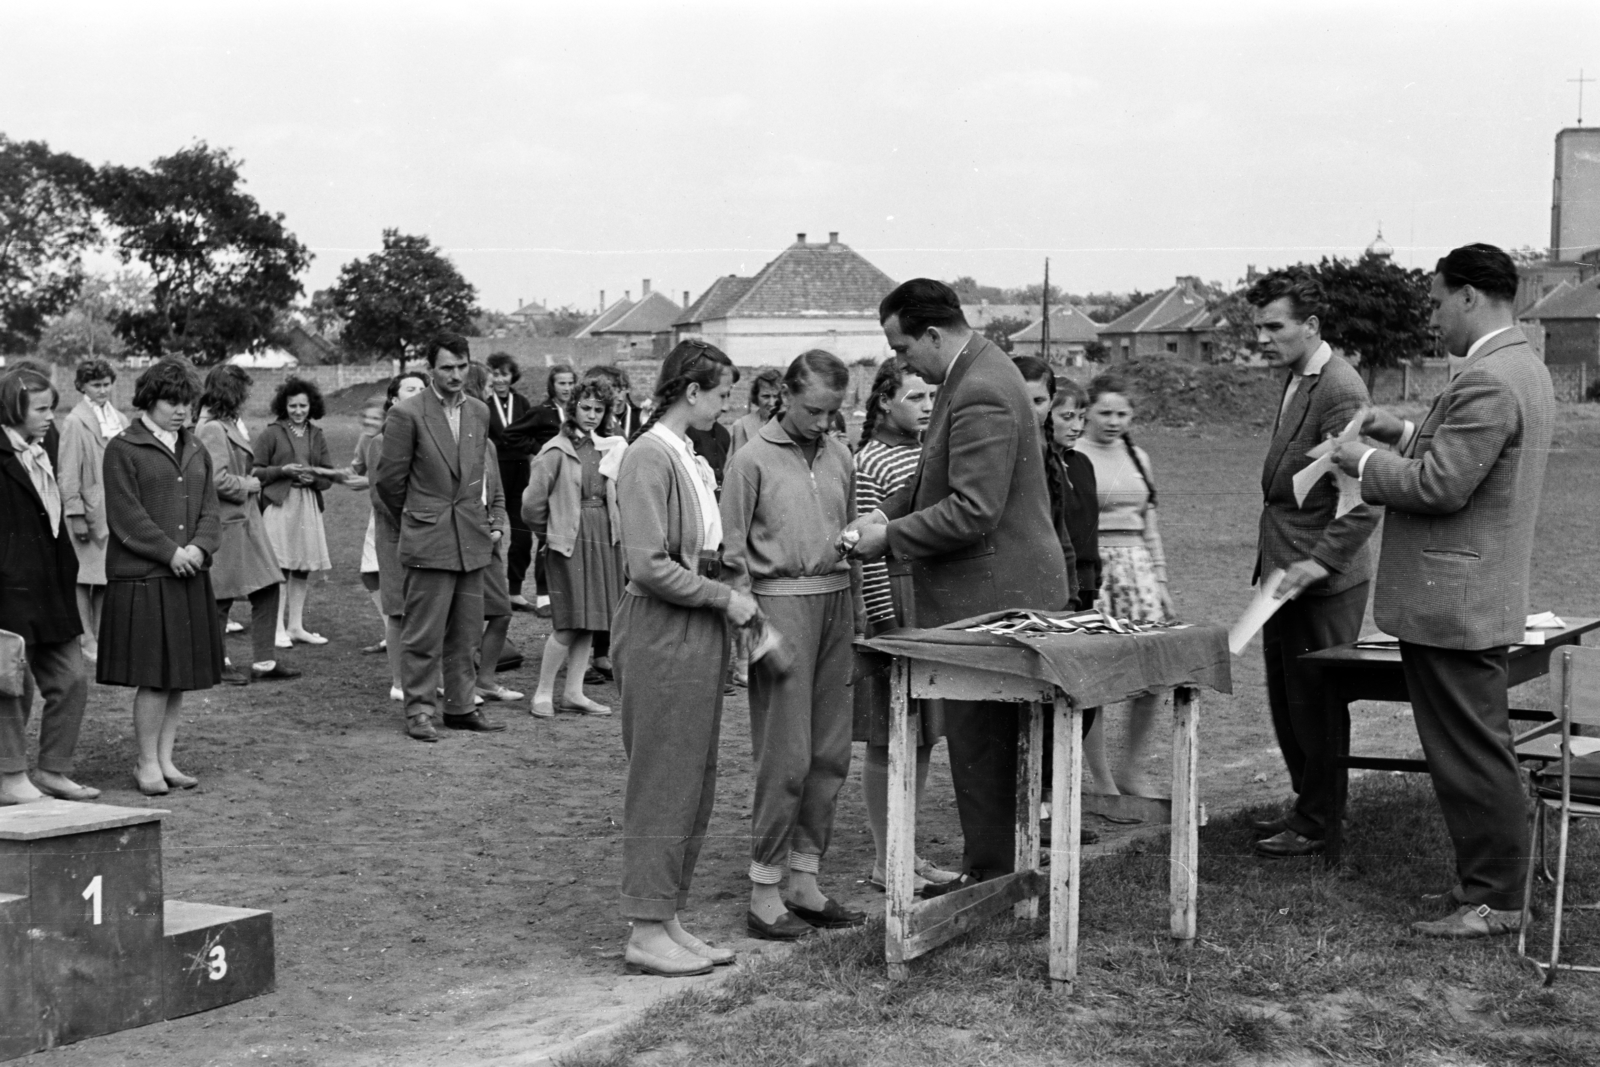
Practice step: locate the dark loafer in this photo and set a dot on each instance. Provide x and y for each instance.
(420, 728)
(232, 675)
(1270, 827)
(1289, 844)
(474, 721)
(787, 928)
(833, 916)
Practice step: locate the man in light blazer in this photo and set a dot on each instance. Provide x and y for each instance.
(1325, 559)
(973, 525)
(431, 479)
(1462, 493)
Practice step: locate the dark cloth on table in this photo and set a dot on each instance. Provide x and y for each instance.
(1299, 717)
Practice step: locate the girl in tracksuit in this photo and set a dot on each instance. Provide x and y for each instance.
(785, 496)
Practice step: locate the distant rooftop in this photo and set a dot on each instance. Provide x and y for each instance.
(1174, 310)
(826, 279)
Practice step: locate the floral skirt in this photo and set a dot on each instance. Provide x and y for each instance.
(1128, 586)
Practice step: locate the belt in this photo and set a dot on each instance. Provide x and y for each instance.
(707, 564)
(593, 502)
(809, 585)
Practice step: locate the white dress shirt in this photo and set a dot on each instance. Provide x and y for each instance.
(1314, 365)
(166, 437)
(705, 484)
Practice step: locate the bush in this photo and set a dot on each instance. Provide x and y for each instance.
(1592, 394)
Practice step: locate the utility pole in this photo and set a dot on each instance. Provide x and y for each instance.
(1044, 325)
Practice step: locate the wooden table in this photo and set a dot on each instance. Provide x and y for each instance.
(913, 927)
(1348, 673)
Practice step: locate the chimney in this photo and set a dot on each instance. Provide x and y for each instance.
(799, 238)
(646, 290)
(686, 298)
(602, 300)
(833, 237)
(519, 303)
(627, 296)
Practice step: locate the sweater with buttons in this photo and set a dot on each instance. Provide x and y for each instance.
(156, 503)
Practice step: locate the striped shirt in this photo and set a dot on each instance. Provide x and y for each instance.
(880, 470)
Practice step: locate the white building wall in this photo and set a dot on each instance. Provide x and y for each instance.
(775, 342)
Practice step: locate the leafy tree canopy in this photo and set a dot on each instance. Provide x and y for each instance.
(86, 329)
(46, 223)
(222, 270)
(999, 331)
(394, 300)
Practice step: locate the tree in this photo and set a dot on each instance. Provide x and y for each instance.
(1109, 306)
(221, 268)
(393, 301)
(46, 224)
(86, 329)
(971, 292)
(999, 330)
(564, 322)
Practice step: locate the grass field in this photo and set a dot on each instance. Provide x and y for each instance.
(454, 904)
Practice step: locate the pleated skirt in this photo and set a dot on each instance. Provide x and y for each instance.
(163, 633)
(586, 586)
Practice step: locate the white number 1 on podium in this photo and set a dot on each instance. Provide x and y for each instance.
(93, 893)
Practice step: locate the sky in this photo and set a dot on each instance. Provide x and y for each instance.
(554, 151)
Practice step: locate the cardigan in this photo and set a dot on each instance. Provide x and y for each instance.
(662, 529)
(274, 449)
(552, 502)
(156, 503)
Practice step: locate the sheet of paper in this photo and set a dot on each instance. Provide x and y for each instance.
(1349, 488)
(1262, 607)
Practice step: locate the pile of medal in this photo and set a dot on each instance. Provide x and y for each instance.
(1039, 623)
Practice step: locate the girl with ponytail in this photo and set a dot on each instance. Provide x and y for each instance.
(670, 652)
(1134, 570)
(898, 409)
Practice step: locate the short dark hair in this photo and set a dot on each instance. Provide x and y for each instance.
(921, 303)
(503, 361)
(1300, 287)
(453, 343)
(392, 390)
(610, 372)
(1034, 369)
(550, 379)
(92, 370)
(771, 376)
(1066, 387)
(294, 387)
(226, 389)
(170, 379)
(16, 387)
(1484, 267)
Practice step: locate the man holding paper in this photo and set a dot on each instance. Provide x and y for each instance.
(1322, 553)
(1462, 491)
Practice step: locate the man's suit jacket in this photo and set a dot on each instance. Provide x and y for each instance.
(1322, 405)
(432, 484)
(1463, 500)
(974, 521)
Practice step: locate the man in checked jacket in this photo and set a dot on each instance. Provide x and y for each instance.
(1462, 493)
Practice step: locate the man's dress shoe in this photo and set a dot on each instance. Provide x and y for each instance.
(787, 928)
(1289, 844)
(473, 721)
(832, 915)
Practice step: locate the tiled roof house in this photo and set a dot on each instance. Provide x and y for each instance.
(1172, 324)
(812, 295)
(633, 324)
(1570, 316)
(1071, 334)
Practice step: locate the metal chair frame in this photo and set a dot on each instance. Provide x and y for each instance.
(1578, 674)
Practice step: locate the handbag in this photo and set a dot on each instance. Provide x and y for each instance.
(13, 664)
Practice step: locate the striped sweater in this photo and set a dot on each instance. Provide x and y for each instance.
(880, 470)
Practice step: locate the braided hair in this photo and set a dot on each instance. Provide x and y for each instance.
(888, 381)
(596, 388)
(1112, 383)
(691, 361)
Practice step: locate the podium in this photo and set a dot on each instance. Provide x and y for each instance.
(88, 943)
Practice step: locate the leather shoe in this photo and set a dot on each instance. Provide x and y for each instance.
(1289, 844)
(964, 882)
(679, 963)
(232, 675)
(1269, 827)
(787, 928)
(832, 915)
(373, 650)
(1471, 920)
(276, 672)
(420, 728)
(473, 721)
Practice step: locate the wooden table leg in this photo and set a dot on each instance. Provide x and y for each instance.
(1185, 873)
(899, 868)
(1336, 709)
(1066, 843)
(1030, 762)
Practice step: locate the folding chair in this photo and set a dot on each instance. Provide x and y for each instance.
(1577, 670)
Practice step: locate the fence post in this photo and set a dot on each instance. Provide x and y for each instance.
(1583, 383)
(1405, 383)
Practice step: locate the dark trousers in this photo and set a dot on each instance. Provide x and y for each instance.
(444, 619)
(1458, 699)
(1299, 717)
(56, 670)
(514, 476)
(263, 621)
(982, 741)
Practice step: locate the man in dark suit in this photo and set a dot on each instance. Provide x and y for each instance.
(431, 479)
(973, 525)
(1324, 556)
(506, 408)
(1462, 492)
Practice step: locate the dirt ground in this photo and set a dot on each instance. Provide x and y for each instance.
(455, 903)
